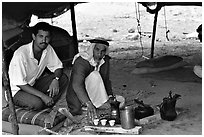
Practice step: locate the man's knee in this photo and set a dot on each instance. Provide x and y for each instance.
(37, 106)
(33, 103)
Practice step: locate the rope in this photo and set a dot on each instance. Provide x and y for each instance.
(167, 31)
(138, 18)
(138, 25)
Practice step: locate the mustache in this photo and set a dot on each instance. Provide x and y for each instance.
(44, 43)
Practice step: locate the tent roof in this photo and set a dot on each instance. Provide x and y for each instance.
(158, 5)
(23, 10)
(16, 14)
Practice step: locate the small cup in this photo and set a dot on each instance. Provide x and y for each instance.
(96, 122)
(103, 122)
(112, 122)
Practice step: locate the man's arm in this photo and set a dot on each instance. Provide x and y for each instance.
(55, 65)
(29, 89)
(80, 71)
(54, 86)
(78, 81)
(105, 74)
(58, 72)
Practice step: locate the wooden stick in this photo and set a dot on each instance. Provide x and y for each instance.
(6, 84)
(74, 27)
(154, 33)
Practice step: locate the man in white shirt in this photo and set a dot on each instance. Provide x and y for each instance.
(30, 88)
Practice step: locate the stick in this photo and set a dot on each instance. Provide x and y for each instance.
(6, 84)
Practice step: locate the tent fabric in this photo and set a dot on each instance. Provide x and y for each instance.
(22, 10)
(14, 14)
(158, 5)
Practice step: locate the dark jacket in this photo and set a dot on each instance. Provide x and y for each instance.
(81, 69)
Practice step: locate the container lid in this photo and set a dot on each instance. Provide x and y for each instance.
(127, 107)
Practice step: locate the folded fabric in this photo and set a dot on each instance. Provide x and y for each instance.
(159, 62)
(144, 70)
(31, 117)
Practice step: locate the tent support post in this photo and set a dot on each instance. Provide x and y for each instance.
(154, 33)
(6, 84)
(74, 27)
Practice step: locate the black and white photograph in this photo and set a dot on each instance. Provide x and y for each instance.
(101, 67)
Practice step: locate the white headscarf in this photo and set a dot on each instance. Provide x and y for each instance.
(86, 52)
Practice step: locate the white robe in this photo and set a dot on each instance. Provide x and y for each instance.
(96, 89)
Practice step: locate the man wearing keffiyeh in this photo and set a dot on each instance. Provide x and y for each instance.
(89, 82)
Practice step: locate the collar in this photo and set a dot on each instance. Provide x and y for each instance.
(30, 45)
(93, 63)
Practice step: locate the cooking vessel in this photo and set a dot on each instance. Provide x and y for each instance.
(142, 110)
(115, 110)
(127, 117)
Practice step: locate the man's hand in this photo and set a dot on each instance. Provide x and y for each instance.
(111, 99)
(91, 111)
(53, 88)
(48, 100)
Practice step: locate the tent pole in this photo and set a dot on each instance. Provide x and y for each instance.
(154, 33)
(6, 84)
(74, 27)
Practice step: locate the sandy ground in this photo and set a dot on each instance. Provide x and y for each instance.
(113, 21)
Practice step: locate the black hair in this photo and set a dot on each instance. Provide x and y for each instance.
(42, 26)
(102, 41)
(199, 30)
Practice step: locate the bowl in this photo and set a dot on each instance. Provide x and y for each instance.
(95, 121)
(103, 122)
(111, 122)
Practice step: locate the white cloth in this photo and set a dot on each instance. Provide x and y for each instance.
(198, 71)
(96, 89)
(86, 52)
(25, 69)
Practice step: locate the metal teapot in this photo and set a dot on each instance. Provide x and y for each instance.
(115, 110)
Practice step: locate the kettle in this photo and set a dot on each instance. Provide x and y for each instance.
(143, 110)
(167, 107)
